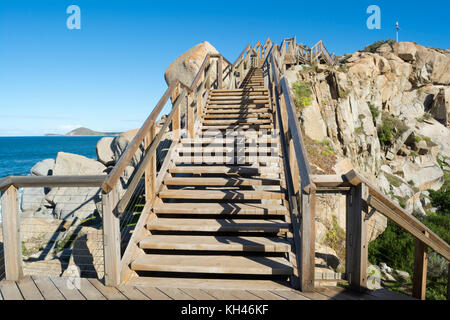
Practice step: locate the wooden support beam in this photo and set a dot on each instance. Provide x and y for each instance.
(420, 270)
(308, 240)
(220, 72)
(150, 170)
(356, 243)
(190, 115)
(200, 103)
(111, 238)
(12, 243)
(176, 124)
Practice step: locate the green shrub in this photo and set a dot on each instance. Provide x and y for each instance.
(374, 111)
(426, 116)
(391, 128)
(302, 94)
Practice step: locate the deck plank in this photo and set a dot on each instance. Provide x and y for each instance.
(244, 295)
(69, 292)
(89, 291)
(110, 293)
(10, 291)
(290, 294)
(153, 293)
(266, 295)
(28, 289)
(176, 294)
(221, 294)
(197, 294)
(48, 290)
(132, 293)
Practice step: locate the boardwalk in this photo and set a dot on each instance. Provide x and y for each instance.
(56, 288)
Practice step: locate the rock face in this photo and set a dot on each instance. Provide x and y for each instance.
(441, 107)
(398, 88)
(33, 198)
(105, 153)
(186, 66)
(74, 203)
(43, 168)
(120, 143)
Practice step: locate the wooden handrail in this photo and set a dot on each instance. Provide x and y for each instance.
(131, 149)
(51, 181)
(151, 151)
(408, 222)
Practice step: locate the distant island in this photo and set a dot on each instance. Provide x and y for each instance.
(84, 132)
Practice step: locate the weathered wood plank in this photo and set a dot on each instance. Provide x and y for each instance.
(47, 288)
(197, 294)
(266, 295)
(176, 294)
(221, 294)
(10, 291)
(89, 291)
(153, 293)
(68, 289)
(12, 243)
(290, 294)
(111, 239)
(420, 270)
(28, 289)
(244, 295)
(356, 238)
(132, 293)
(110, 293)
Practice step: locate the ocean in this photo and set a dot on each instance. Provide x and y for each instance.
(19, 154)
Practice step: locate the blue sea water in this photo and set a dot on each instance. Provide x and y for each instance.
(19, 154)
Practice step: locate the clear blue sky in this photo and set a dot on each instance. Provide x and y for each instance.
(109, 75)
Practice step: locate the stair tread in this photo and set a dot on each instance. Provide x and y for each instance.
(226, 140)
(210, 243)
(213, 264)
(218, 225)
(202, 181)
(224, 169)
(220, 208)
(221, 194)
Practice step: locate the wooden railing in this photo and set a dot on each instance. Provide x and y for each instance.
(300, 188)
(114, 201)
(363, 197)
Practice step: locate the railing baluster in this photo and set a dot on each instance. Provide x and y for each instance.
(420, 269)
(356, 243)
(190, 115)
(220, 72)
(12, 242)
(111, 238)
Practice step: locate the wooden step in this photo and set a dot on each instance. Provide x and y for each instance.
(226, 182)
(224, 170)
(220, 208)
(238, 90)
(213, 264)
(239, 98)
(237, 121)
(235, 195)
(215, 243)
(237, 127)
(226, 160)
(238, 109)
(218, 225)
(211, 150)
(239, 101)
(238, 116)
(226, 141)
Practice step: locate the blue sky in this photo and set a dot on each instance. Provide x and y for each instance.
(109, 75)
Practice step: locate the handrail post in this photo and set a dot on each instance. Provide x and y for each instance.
(12, 243)
(220, 72)
(420, 269)
(111, 238)
(308, 248)
(356, 242)
(150, 170)
(190, 115)
(200, 103)
(176, 121)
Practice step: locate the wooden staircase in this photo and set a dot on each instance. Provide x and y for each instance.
(227, 219)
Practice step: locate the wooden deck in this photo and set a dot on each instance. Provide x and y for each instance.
(53, 288)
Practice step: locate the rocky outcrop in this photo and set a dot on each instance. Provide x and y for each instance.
(441, 107)
(104, 151)
(75, 203)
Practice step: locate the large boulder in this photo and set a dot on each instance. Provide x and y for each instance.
(120, 143)
(32, 199)
(43, 168)
(441, 107)
(105, 153)
(75, 203)
(186, 66)
(424, 172)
